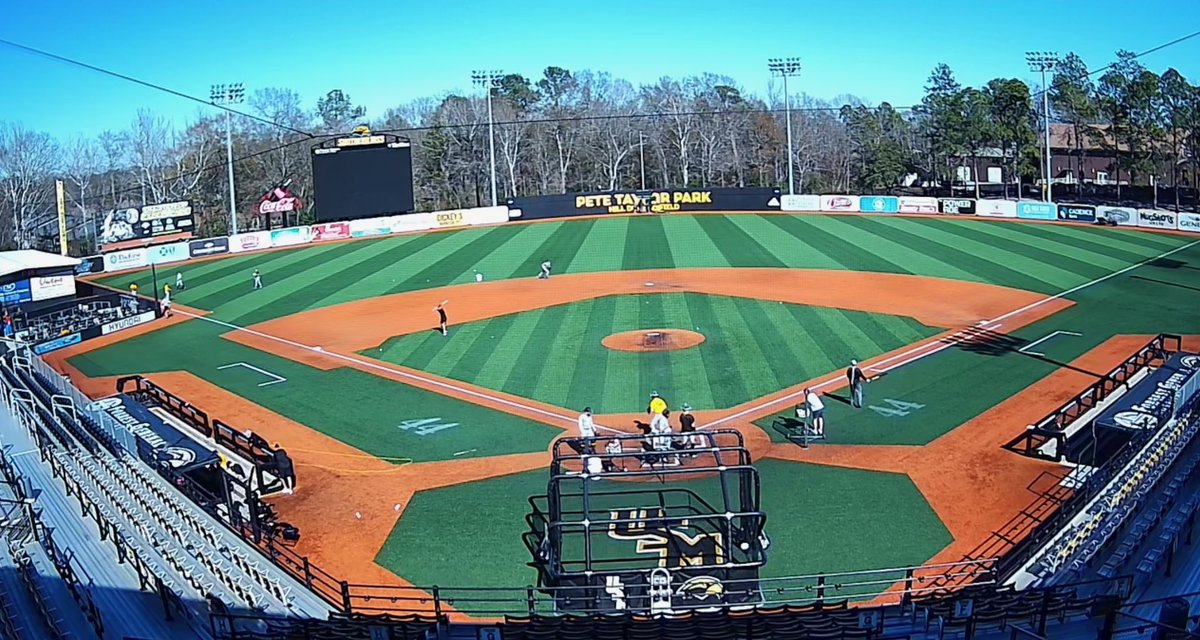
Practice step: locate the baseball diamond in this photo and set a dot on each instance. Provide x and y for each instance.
(415, 450)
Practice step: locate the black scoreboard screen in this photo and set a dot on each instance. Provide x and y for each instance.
(366, 179)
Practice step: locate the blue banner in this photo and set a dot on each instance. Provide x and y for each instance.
(879, 204)
(158, 441)
(57, 343)
(1152, 402)
(1037, 210)
(1077, 212)
(16, 292)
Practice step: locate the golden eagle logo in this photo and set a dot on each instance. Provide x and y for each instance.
(701, 587)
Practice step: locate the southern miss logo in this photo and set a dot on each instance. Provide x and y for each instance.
(678, 546)
(701, 588)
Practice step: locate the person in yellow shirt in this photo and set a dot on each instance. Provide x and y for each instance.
(657, 404)
(133, 288)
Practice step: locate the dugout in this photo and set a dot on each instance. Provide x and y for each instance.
(618, 531)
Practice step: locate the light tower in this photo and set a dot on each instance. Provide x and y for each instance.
(1044, 61)
(786, 68)
(223, 95)
(489, 80)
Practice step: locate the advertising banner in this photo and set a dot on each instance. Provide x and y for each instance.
(410, 222)
(799, 202)
(158, 441)
(57, 343)
(50, 287)
(1158, 219)
(879, 204)
(15, 292)
(1189, 222)
(123, 225)
(250, 241)
(1121, 216)
(126, 323)
(330, 231)
(208, 247)
(279, 199)
(957, 206)
(370, 227)
(996, 208)
(839, 203)
(1150, 402)
(913, 204)
(90, 265)
(289, 236)
(127, 259)
(1033, 210)
(164, 253)
(465, 217)
(1077, 212)
(649, 201)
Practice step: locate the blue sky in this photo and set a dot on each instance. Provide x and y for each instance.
(386, 53)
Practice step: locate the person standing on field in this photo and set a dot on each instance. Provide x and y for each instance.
(545, 274)
(441, 311)
(855, 377)
(587, 429)
(816, 412)
(257, 279)
(179, 280)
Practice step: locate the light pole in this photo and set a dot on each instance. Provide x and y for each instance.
(223, 95)
(786, 67)
(642, 158)
(1044, 61)
(489, 80)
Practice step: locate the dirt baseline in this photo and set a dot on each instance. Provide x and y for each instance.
(653, 340)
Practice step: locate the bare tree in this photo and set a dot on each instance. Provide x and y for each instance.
(82, 163)
(27, 164)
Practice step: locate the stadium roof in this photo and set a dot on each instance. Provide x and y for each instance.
(27, 259)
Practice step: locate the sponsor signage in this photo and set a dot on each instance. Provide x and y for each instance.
(445, 219)
(127, 259)
(913, 204)
(1077, 212)
(208, 247)
(370, 227)
(1121, 216)
(157, 440)
(249, 241)
(329, 231)
(49, 287)
(1151, 402)
(839, 203)
(122, 225)
(879, 204)
(279, 199)
(649, 201)
(464, 217)
(164, 253)
(1189, 222)
(410, 222)
(957, 206)
(15, 292)
(288, 237)
(1157, 219)
(996, 208)
(90, 265)
(1031, 210)
(800, 202)
(57, 343)
(126, 323)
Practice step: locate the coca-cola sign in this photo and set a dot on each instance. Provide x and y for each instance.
(279, 199)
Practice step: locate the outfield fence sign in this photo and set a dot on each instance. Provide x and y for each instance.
(1158, 219)
(800, 202)
(1077, 212)
(996, 208)
(913, 204)
(879, 204)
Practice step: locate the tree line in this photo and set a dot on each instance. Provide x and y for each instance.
(568, 131)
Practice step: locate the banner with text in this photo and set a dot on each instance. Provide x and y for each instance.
(15, 292)
(1121, 216)
(800, 202)
(1189, 222)
(90, 265)
(650, 201)
(57, 343)
(289, 236)
(1158, 219)
(996, 208)
(879, 204)
(164, 253)
(330, 231)
(370, 227)
(839, 203)
(915, 204)
(124, 225)
(1077, 212)
(1033, 210)
(957, 206)
(126, 323)
(208, 247)
(50, 287)
(127, 259)
(412, 222)
(252, 241)
(465, 217)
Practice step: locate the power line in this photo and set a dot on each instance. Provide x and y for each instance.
(145, 83)
(1110, 65)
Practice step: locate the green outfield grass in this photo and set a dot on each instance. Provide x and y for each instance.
(751, 348)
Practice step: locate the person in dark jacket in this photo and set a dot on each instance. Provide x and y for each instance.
(284, 469)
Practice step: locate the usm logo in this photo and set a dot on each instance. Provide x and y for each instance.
(677, 546)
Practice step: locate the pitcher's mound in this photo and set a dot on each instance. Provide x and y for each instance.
(653, 340)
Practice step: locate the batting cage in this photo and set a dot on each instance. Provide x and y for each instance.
(649, 523)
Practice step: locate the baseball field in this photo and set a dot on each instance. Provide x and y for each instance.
(417, 453)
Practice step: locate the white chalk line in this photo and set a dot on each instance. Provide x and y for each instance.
(1025, 349)
(276, 379)
(952, 340)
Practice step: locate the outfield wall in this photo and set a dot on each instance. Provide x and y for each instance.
(750, 200)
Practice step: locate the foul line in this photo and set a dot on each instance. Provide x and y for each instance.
(1042, 339)
(954, 339)
(276, 379)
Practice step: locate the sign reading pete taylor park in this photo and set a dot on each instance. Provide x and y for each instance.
(648, 201)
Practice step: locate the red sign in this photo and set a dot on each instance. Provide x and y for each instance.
(330, 231)
(279, 200)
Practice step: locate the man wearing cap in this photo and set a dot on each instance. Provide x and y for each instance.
(855, 377)
(816, 412)
(687, 426)
(587, 429)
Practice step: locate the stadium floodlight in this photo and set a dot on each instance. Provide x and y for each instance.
(786, 68)
(223, 95)
(489, 79)
(1044, 61)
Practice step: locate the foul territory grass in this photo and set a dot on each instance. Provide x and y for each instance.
(381, 417)
(751, 348)
(820, 520)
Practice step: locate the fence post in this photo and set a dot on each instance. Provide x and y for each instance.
(906, 598)
(437, 602)
(821, 589)
(529, 600)
(346, 597)
(307, 573)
